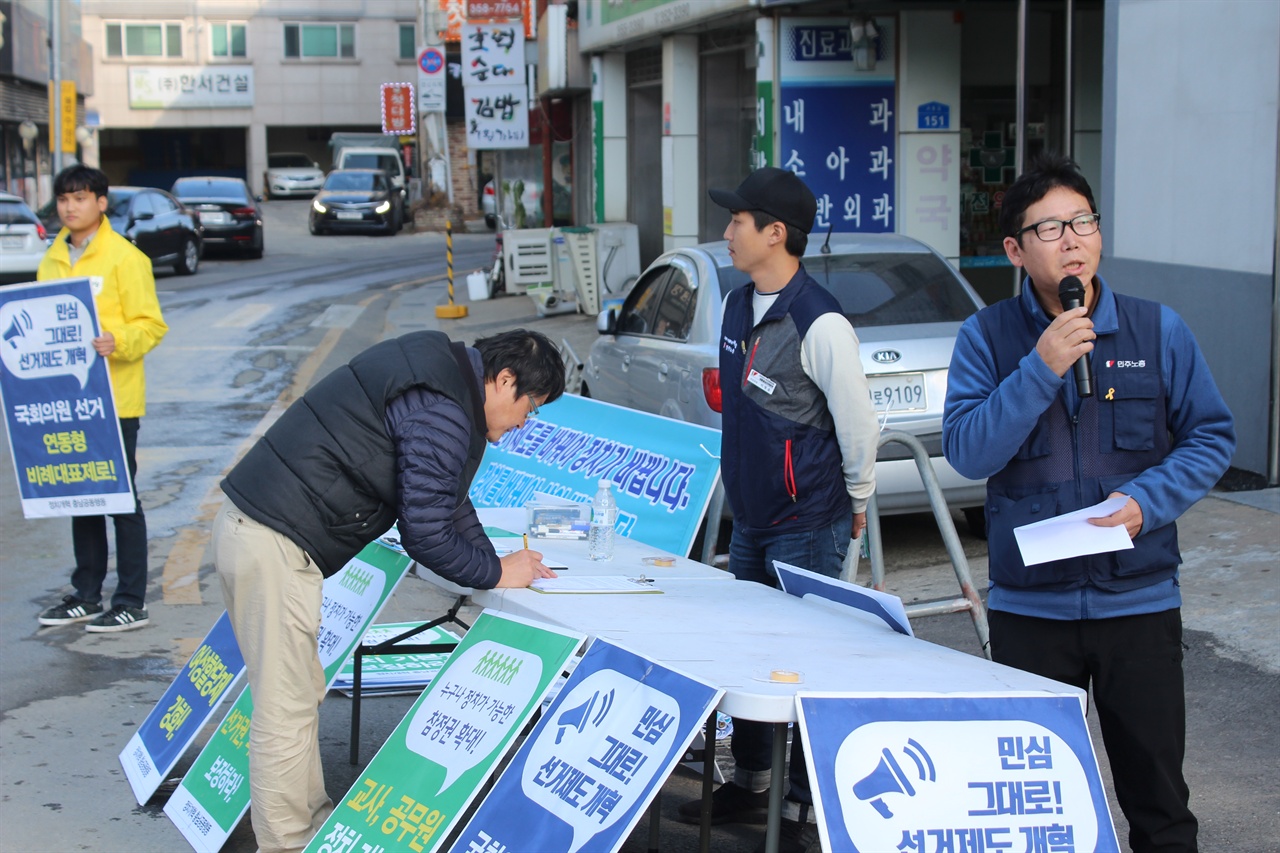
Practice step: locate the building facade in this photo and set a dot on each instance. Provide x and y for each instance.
(915, 119)
(213, 86)
(28, 157)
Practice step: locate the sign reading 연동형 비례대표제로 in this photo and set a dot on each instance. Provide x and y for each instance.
(64, 436)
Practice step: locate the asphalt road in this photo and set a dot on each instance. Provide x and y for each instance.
(247, 337)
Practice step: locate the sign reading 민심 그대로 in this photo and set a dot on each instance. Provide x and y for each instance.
(583, 778)
(64, 435)
(663, 471)
(926, 772)
(214, 793)
(420, 782)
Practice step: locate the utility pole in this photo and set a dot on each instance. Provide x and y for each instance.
(433, 139)
(55, 86)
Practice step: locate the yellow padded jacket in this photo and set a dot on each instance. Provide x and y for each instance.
(127, 307)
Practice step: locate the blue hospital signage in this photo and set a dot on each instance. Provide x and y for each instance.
(838, 120)
(930, 773)
(596, 758)
(662, 470)
(64, 436)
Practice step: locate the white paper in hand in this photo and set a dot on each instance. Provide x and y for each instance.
(1071, 534)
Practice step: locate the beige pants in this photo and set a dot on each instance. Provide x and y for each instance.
(273, 593)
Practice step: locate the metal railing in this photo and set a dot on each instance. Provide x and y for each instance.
(968, 599)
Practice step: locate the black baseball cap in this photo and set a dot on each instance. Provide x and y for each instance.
(777, 192)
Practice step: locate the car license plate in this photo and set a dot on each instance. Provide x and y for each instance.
(350, 214)
(214, 218)
(898, 392)
(11, 242)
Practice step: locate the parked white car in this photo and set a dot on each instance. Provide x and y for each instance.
(23, 240)
(660, 352)
(291, 174)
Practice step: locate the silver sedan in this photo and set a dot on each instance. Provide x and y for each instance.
(660, 352)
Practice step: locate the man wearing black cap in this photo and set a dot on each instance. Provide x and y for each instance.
(798, 447)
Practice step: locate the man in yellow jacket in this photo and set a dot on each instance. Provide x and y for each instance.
(129, 315)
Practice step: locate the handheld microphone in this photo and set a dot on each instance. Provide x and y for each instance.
(1071, 292)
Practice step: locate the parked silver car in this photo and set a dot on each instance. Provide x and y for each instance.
(290, 174)
(659, 352)
(23, 240)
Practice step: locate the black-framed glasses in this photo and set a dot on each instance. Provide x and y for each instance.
(1053, 229)
(533, 406)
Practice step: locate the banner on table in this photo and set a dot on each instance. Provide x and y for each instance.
(418, 785)
(596, 758)
(214, 793)
(663, 471)
(64, 435)
(928, 772)
(391, 672)
(183, 710)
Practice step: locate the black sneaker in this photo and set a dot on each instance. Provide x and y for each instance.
(796, 837)
(119, 618)
(730, 803)
(72, 609)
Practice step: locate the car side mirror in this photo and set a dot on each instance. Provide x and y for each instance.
(607, 322)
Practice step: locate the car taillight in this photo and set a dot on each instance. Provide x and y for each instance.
(242, 211)
(488, 189)
(711, 387)
(41, 233)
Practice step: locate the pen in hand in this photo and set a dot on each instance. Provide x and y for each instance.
(526, 541)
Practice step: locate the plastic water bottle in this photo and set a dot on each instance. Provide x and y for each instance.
(604, 512)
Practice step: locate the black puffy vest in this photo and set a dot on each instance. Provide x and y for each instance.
(324, 474)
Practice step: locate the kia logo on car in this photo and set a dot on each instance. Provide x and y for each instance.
(885, 356)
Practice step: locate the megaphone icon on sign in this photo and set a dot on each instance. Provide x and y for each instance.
(15, 329)
(889, 777)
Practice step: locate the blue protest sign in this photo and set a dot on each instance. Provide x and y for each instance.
(879, 605)
(183, 710)
(596, 758)
(663, 471)
(64, 436)
(954, 772)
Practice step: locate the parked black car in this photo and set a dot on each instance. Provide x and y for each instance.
(355, 200)
(164, 228)
(228, 211)
(158, 224)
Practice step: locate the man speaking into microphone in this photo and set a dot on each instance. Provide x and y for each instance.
(1154, 430)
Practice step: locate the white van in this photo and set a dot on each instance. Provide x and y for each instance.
(386, 159)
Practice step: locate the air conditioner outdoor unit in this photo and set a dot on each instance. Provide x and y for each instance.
(526, 256)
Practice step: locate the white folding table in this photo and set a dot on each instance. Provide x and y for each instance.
(734, 634)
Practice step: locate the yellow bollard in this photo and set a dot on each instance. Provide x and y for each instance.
(450, 311)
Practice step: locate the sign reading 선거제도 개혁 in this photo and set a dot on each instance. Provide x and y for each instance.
(595, 760)
(214, 792)
(64, 436)
(1013, 771)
